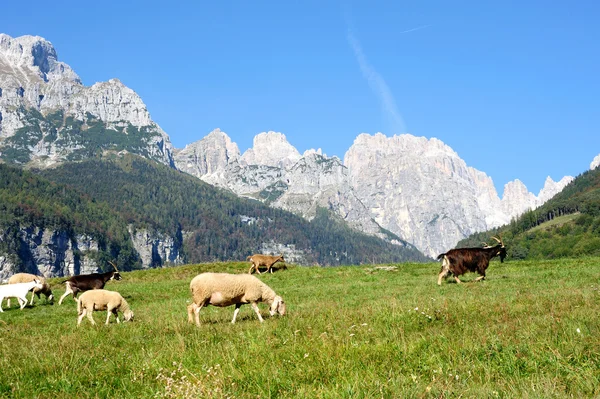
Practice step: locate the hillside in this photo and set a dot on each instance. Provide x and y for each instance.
(350, 332)
(214, 224)
(565, 226)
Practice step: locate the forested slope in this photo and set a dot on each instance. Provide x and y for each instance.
(212, 223)
(567, 225)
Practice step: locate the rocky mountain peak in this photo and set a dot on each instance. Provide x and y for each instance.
(595, 162)
(33, 58)
(208, 156)
(271, 149)
(551, 188)
(44, 108)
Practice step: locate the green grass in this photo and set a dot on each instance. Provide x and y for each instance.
(530, 331)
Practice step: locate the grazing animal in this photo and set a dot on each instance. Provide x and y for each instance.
(27, 277)
(263, 260)
(86, 282)
(110, 301)
(461, 260)
(18, 291)
(222, 289)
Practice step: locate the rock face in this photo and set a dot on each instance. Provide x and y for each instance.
(47, 114)
(53, 253)
(271, 149)
(155, 249)
(416, 188)
(420, 188)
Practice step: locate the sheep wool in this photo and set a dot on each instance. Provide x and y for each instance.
(222, 289)
(111, 301)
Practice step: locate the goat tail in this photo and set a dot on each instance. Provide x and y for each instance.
(249, 257)
(440, 256)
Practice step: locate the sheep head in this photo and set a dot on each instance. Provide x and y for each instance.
(278, 306)
(128, 315)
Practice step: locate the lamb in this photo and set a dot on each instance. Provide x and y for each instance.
(222, 289)
(263, 260)
(18, 291)
(27, 277)
(111, 301)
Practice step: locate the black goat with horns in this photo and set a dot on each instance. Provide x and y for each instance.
(86, 282)
(461, 260)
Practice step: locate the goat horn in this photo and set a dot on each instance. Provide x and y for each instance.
(113, 265)
(499, 240)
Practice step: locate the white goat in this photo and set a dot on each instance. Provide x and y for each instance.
(110, 301)
(222, 289)
(18, 291)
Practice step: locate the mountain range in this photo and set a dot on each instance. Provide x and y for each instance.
(401, 189)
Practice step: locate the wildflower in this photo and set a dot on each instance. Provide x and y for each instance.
(305, 355)
(578, 331)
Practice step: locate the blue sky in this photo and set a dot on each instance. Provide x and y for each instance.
(511, 86)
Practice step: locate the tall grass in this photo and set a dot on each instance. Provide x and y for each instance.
(531, 330)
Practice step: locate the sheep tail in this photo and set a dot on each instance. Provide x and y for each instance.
(79, 307)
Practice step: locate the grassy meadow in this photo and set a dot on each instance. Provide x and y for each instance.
(531, 330)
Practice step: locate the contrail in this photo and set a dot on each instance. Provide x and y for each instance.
(379, 87)
(417, 28)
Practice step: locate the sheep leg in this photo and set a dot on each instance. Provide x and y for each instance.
(89, 316)
(1, 300)
(108, 312)
(31, 302)
(257, 310)
(197, 314)
(236, 311)
(81, 317)
(7, 302)
(116, 313)
(457, 280)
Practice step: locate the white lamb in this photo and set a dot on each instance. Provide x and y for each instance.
(18, 291)
(222, 289)
(27, 277)
(110, 301)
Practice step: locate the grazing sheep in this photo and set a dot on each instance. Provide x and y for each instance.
(110, 301)
(27, 277)
(222, 289)
(18, 291)
(263, 260)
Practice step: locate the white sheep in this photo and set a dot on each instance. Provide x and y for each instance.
(222, 289)
(18, 291)
(110, 301)
(27, 277)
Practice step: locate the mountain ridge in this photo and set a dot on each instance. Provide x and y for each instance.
(48, 117)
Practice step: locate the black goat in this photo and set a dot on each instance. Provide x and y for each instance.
(461, 260)
(86, 282)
